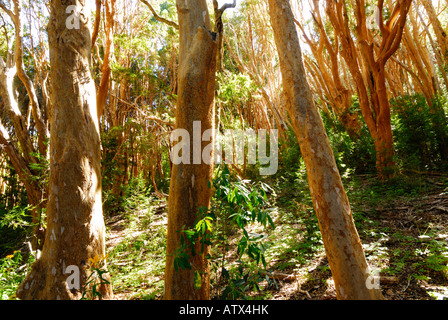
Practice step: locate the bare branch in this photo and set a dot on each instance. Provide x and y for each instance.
(159, 18)
(227, 6)
(9, 12)
(96, 24)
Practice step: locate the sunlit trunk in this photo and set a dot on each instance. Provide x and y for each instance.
(189, 185)
(340, 237)
(75, 225)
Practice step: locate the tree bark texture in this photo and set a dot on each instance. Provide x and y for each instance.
(342, 244)
(24, 154)
(75, 225)
(189, 189)
(374, 63)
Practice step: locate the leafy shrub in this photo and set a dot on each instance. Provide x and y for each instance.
(358, 155)
(15, 225)
(419, 133)
(237, 205)
(12, 273)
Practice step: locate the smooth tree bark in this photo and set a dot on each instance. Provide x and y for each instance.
(440, 33)
(189, 185)
(367, 63)
(342, 244)
(374, 66)
(327, 68)
(75, 225)
(108, 46)
(15, 15)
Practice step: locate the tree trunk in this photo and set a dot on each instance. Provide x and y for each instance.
(440, 33)
(75, 225)
(189, 188)
(23, 155)
(374, 71)
(338, 94)
(33, 188)
(108, 46)
(342, 244)
(382, 137)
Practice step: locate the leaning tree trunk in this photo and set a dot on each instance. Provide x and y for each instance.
(75, 225)
(189, 188)
(342, 244)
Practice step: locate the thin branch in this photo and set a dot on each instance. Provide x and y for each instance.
(9, 12)
(227, 6)
(159, 18)
(96, 24)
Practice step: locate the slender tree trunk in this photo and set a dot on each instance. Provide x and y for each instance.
(18, 56)
(33, 189)
(342, 244)
(328, 67)
(103, 89)
(23, 155)
(382, 137)
(75, 225)
(440, 33)
(189, 188)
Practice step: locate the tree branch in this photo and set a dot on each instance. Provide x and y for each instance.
(96, 24)
(9, 12)
(227, 6)
(159, 18)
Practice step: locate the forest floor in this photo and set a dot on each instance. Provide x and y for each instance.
(403, 227)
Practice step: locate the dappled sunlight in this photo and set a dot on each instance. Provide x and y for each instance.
(136, 163)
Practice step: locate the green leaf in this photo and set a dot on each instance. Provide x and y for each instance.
(197, 280)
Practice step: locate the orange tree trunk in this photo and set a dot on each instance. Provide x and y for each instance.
(189, 190)
(75, 225)
(382, 136)
(342, 244)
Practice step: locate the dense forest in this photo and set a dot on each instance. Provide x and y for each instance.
(223, 150)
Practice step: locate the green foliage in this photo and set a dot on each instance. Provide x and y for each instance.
(241, 203)
(235, 91)
(201, 233)
(240, 207)
(12, 273)
(420, 137)
(235, 88)
(95, 279)
(237, 205)
(138, 261)
(15, 225)
(289, 156)
(41, 169)
(352, 156)
(419, 134)
(16, 217)
(241, 280)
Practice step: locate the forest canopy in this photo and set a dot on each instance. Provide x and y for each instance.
(248, 149)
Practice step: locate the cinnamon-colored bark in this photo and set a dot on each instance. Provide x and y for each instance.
(189, 189)
(342, 244)
(75, 225)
